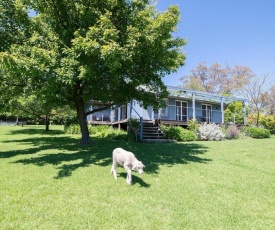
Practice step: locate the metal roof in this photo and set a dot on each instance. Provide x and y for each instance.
(201, 96)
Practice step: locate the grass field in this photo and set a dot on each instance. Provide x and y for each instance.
(48, 181)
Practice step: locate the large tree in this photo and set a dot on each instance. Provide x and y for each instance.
(111, 51)
(217, 79)
(259, 93)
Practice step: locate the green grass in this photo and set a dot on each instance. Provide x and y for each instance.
(49, 181)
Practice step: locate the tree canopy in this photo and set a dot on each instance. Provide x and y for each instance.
(111, 51)
(217, 79)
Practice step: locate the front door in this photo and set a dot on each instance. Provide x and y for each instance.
(207, 113)
(181, 111)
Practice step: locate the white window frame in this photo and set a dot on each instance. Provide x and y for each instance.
(180, 116)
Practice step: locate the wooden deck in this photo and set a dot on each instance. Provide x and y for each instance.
(100, 123)
(173, 122)
(124, 122)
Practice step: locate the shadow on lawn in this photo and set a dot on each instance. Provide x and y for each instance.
(68, 155)
(135, 180)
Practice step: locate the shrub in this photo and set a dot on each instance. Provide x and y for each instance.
(133, 125)
(72, 129)
(120, 135)
(70, 120)
(193, 125)
(232, 132)
(268, 122)
(102, 131)
(178, 133)
(258, 133)
(211, 132)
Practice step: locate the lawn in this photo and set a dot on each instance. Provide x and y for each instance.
(49, 181)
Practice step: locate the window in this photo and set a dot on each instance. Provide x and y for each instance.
(181, 110)
(206, 113)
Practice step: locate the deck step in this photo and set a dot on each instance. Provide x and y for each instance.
(152, 132)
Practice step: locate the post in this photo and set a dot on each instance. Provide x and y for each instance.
(131, 108)
(193, 106)
(112, 115)
(141, 128)
(119, 114)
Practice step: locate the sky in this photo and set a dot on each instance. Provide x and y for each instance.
(228, 32)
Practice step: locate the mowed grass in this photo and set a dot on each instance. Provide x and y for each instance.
(49, 181)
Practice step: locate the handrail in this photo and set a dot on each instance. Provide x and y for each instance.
(134, 110)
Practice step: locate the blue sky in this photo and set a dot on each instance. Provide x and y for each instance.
(233, 32)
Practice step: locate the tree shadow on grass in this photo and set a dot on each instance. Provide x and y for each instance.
(153, 155)
(135, 180)
(65, 153)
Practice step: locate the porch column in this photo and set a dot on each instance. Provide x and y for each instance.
(222, 109)
(193, 106)
(131, 109)
(112, 115)
(152, 114)
(119, 114)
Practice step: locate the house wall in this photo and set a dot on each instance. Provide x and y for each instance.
(169, 113)
(134, 110)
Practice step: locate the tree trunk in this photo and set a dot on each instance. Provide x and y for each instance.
(85, 136)
(47, 122)
(258, 117)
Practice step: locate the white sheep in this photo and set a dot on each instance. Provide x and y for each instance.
(128, 161)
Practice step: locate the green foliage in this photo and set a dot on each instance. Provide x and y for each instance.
(193, 125)
(14, 23)
(134, 124)
(70, 119)
(257, 133)
(234, 113)
(178, 133)
(268, 122)
(72, 129)
(211, 132)
(102, 131)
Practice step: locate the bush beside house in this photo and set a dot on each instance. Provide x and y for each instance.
(178, 133)
(258, 133)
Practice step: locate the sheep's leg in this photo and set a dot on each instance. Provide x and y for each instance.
(129, 177)
(129, 174)
(113, 170)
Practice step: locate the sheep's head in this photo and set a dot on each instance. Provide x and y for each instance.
(138, 166)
